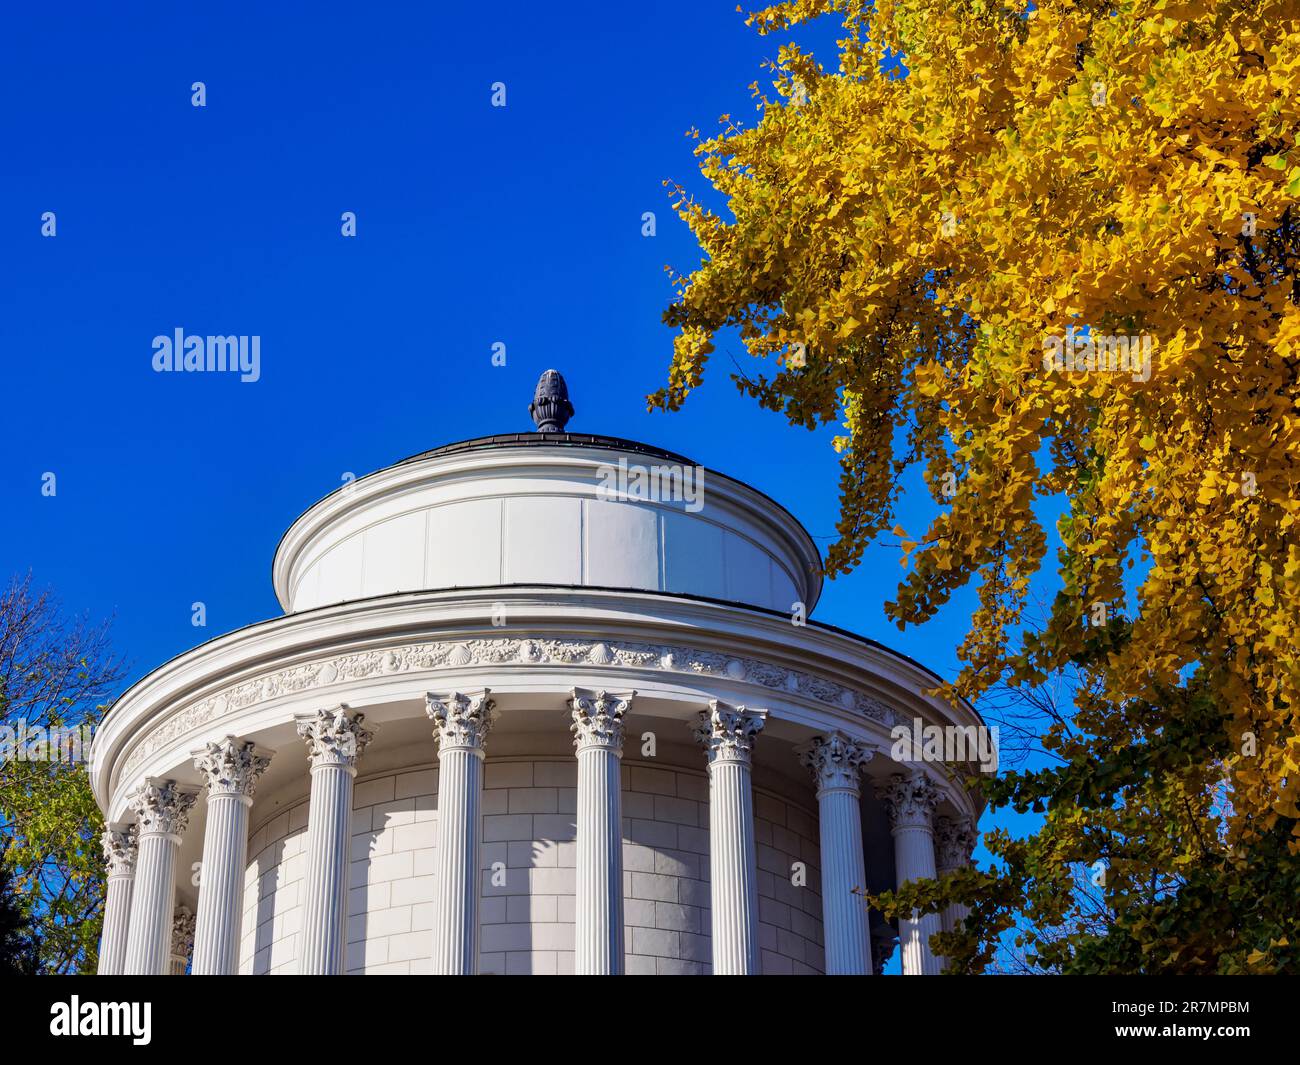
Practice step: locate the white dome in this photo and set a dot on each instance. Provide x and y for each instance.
(548, 509)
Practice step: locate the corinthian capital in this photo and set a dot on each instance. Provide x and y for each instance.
(232, 767)
(183, 926)
(598, 719)
(954, 840)
(119, 849)
(463, 718)
(836, 761)
(334, 737)
(162, 807)
(727, 732)
(910, 800)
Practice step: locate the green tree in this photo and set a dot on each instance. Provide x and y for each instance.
(17, 947)
(1049, 253)
(56, 675)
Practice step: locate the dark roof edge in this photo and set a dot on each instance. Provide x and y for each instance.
(480, 443)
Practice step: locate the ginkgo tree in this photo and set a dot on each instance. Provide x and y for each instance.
(1048, 252)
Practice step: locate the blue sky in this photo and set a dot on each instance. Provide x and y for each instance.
(475, 225)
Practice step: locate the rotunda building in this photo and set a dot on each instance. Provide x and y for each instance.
(540, 702)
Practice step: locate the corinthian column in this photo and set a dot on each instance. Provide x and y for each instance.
(335, 739)
(119, 855)
(911, 801)
(954, 839)
(727, 734)
(463, 722)
(232, 768)
(836, 763)
(598, 906)
(162, 809)
(182, 940)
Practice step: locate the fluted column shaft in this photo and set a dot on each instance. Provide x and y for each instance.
(162, 809)
(460, 784)
(954, 842)
(324, 905)
(911, 802)
(120, 854)
(221, 892)
(914, 860)
(149, 940)
(836, 763)
(727, 735)
(953, 916)
(232, 768)
(462, 723)
(598, 903)
(335, 741)
(733, 870)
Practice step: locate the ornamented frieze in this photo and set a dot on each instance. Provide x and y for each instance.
(503, 652)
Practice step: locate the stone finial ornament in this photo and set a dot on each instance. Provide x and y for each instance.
(550, 408)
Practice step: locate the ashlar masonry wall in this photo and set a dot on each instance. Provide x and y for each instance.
(526, 915)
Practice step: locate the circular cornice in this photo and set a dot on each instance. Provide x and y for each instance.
(549, 630)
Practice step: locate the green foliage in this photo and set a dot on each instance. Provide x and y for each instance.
(17, 947)
(912, 238)
(54, 673)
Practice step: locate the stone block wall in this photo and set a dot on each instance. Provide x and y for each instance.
(526, 915)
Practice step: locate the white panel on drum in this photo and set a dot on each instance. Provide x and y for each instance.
(307, 594)
(543, 540)
(394, 555)
(692, 555)
(622, 545)
(749, 572)
(522, 515)
(465, 544)
(783, 590)
(340, 572)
